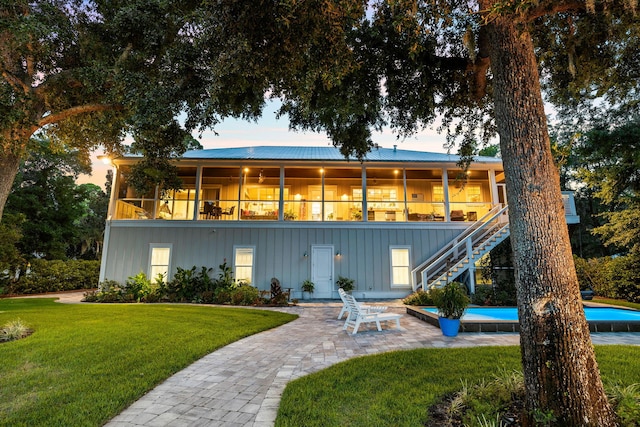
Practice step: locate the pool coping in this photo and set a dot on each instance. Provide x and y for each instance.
(511, 326)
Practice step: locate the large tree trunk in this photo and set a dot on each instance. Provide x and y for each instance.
(561, 374)
(9, 164)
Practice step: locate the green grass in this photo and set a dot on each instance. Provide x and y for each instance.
(396, 389)
(619, 302)
(85, 363)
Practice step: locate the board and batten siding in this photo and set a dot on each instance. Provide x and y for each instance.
(280, 250)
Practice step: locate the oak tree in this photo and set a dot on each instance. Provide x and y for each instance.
(86, 74)
(483, 67)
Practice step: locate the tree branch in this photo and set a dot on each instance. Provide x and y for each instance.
(549, 8)
(480, 66)
(15, 82)
(75, 111)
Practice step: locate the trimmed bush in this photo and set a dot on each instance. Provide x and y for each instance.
(245, 295)
(419, 298)
(56, 275)
(188, 285)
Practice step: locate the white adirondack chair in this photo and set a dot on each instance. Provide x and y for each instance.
(368, 308)
(358, 316)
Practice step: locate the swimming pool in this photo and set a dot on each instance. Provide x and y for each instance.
(505, 319)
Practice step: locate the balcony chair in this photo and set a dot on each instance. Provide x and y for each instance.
(228, 211)
(457, 215)
(210, 210)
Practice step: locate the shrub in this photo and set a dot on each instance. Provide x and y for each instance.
(451, 300)
(624, 273)
(182, 287)
(223, 296)
(484, 295)
(14, 330)
(592, 275)
(502, 293)
(225, 277)
(56, 275)
(138, 286)
(626, 401)
(419, 298)
(245, 295)
(345, 283)
(108, 291)
(611, 277)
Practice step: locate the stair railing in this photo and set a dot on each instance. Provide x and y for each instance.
(462, 244)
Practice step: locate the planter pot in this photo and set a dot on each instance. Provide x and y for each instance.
(449, 327)
(306, 295)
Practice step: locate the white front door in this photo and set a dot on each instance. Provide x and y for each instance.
(322, 271)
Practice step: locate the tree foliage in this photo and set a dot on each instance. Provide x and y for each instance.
(87, 74)
(609, 164)
(59, 217)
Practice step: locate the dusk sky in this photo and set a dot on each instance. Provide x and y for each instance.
(269, 131)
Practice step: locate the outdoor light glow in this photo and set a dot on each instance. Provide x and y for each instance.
(105, 159)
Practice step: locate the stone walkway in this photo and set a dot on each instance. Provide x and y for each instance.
(241, 384)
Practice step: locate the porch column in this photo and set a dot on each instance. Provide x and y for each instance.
(156, 202)
(196, 208)
(365, 216)
(322, 193)
(281, 201)
(405, 211)
(445, 193)
(494, 188)
(115, 183)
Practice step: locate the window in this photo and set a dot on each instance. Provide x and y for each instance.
(159, 261)
(474, 193)
(243, 263)
(400, 266)
(438, 193)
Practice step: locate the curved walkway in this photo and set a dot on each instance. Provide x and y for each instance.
(241, 383)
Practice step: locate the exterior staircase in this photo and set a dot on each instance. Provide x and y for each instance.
(461, 254)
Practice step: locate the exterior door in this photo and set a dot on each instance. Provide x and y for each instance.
(322, 271)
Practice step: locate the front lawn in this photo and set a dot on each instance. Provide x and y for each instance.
(397, 388)
(85, 363)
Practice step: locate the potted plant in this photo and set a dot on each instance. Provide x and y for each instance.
(451, 301)
(307, 287)
(345, 283)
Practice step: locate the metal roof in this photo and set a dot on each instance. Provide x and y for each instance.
(326, 154)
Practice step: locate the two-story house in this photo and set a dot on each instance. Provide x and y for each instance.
(392, 222)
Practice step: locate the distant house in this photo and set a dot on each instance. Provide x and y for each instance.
(298, 213)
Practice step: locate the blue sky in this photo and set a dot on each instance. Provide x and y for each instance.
(271, 131)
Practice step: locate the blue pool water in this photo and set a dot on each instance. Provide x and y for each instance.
(593, 314)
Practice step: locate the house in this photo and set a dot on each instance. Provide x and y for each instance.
(298, 213)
